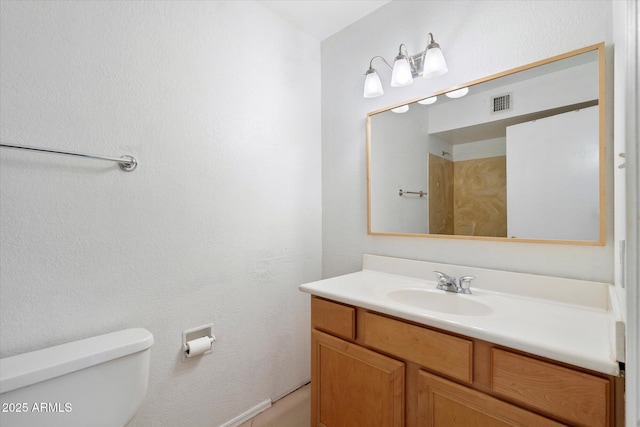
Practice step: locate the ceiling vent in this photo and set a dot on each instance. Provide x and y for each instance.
(501, 103)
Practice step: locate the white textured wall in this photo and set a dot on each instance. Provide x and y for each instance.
(220, 222)
(478, 38)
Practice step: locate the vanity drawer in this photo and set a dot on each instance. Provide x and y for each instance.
(575, 396)
(334, 318)
(442, 353)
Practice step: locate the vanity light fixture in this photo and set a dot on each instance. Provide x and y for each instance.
(429, 63)
(458, 93)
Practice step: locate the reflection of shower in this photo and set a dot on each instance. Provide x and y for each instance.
(446, 153)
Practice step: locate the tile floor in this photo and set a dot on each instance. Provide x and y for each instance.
(293, 410)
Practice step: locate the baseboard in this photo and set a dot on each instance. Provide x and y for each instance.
(247, 415)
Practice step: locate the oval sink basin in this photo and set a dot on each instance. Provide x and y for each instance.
(440, 301)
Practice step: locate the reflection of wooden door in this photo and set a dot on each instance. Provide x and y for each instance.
(353, 386)
(480, 197)
(440, 195)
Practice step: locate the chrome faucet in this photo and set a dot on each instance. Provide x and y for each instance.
(449, 284)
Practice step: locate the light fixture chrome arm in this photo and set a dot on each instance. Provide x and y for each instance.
(432, 43)
(378, 56)
(405, 50)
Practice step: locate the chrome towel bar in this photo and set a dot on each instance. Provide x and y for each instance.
(126, 163)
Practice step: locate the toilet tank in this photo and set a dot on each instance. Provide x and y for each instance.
(98, 381)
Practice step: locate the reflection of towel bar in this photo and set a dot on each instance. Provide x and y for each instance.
(421, 193)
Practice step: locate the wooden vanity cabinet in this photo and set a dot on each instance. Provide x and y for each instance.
(370, 369)
(358, 387)
(443, 403)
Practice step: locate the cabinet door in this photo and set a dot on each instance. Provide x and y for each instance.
(442, 403)
(352, 386)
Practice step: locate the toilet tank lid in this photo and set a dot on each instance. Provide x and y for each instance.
(29, 368)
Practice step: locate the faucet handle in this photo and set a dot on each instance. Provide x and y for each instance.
(465, 284)
(441, 274)
(444, 278)
(446, 282)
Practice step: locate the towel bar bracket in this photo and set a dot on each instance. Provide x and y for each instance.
(130, 165)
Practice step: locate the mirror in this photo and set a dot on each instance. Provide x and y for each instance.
(519, 157)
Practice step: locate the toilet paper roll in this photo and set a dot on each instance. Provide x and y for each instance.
(198, 346)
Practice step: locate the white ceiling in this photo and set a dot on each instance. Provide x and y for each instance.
(322, 18)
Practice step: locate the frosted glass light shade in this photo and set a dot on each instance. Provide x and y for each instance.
(401, 109)
(372, 84)
(434, 64)
(428, 101)
(458, 93)
(401, 74)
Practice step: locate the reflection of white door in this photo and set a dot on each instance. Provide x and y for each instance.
(553, 177)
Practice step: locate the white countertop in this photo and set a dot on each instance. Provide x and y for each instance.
(577, 334)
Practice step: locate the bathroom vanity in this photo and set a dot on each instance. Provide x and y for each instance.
(399, 344)
(389, 349)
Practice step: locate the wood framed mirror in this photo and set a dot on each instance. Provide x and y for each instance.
(519, 157)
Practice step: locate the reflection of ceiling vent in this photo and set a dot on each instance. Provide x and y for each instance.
(501, 103)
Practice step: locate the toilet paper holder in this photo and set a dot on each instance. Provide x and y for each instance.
(193, 343)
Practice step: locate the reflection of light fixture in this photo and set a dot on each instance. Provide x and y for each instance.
(459, 93)
(429, 63)
(401, 109)
(428, 101)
